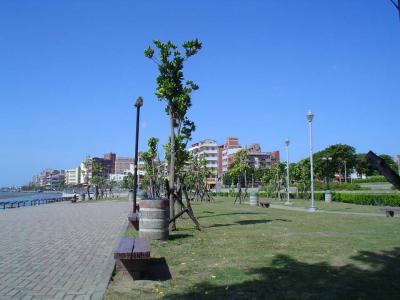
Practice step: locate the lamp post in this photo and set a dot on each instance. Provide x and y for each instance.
(138, 105)
(287, 142)
(310, 118)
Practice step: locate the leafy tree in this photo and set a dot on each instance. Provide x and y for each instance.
(98, 179)
(341, 156)
(128, 182)
(152, 180)
(196, 178)
(240, 167)
(172, 89)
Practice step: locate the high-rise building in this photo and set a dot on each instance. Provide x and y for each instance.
(208, 149)
(122, 164)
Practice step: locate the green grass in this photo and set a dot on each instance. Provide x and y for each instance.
(256, 253)
(333, 206)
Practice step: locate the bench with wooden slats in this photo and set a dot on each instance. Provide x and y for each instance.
(131, 255)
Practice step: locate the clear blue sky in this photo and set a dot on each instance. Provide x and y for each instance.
(71, 70)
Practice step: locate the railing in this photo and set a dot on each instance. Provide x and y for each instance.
(35, 202)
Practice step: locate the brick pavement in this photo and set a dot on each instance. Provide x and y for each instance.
(59, 251)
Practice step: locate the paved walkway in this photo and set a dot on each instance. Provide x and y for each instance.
(59, 251)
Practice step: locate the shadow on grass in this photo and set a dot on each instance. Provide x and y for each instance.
(253, 222)
(230, 214)
(247, 222)
(157, 270)
(179, 236)
(287, 278)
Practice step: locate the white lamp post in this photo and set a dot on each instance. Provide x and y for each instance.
(287, 142)
(310, 118)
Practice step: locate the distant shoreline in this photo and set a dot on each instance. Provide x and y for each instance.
(14, 195)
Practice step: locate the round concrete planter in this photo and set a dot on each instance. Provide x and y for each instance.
(154, 219)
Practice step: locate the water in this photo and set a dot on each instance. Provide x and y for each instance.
(7, 196)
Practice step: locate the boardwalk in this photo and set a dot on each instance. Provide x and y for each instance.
(59, 251)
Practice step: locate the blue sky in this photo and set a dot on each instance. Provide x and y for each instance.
(71, 70)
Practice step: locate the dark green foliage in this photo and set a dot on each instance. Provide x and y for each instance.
(363, 199)
(127, 182)
(371, 179)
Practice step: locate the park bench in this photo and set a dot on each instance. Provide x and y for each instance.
(264, 204)
(133, 218)
(131, 256)
(390, 211)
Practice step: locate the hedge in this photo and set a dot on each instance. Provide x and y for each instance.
(370, 179)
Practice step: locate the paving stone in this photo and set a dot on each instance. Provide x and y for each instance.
(59, 250)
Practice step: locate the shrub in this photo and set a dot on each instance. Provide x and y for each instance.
(371, 179)
(340, 186)
(363, 199)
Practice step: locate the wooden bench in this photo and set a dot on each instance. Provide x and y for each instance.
(390, 211)
(131, 256)
(133, 219)
(264, 204)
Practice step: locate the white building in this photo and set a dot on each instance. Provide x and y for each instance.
(208, 149)
(117, 177)
(72, 176)
(228, 156)
(85, 174)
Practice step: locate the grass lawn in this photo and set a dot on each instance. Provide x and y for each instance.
(333, 206)
(256, 253)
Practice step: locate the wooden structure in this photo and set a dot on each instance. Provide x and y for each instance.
(131, 256)
(383, 168)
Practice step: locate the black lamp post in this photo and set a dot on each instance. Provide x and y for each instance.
(138, 105)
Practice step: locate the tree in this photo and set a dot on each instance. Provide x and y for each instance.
(152, 180)
(128, 182)
(342, 156)
(98, 179)
(172, 89)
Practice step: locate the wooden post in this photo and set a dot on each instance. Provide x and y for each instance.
(383, 168)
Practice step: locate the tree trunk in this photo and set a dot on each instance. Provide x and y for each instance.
(172, 167)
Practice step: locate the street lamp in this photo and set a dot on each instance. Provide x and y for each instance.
(287, 142)
(138, 105)
(310, 118)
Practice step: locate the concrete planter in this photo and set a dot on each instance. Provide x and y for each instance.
(154, 219)
(130, 196)
(328, 196)
(254, 199)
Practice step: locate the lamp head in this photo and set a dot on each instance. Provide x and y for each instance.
(287, 142)
(310, 116)
(139, 102)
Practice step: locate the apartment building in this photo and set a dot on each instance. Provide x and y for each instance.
(208, 149)
(72, 176)
(122, 164)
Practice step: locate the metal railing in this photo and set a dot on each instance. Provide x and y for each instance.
(34, 202)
